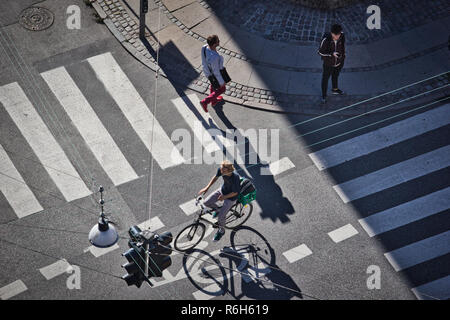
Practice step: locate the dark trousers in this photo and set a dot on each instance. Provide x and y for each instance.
(327, 72)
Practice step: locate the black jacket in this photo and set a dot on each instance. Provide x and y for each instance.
(327, 48)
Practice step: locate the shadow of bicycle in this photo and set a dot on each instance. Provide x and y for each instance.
(245, 269)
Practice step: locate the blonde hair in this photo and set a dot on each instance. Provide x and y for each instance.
(228, 165)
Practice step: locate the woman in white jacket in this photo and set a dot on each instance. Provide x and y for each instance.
(212, 63)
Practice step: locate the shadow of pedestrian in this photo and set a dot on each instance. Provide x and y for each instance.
(269, 195)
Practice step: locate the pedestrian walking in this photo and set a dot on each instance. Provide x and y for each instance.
(213, 69)
(332, 51)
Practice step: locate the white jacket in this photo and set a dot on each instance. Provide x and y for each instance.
(215, 62)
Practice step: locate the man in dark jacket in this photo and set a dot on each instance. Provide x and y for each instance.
(332, 51)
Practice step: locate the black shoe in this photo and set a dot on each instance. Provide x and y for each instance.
(219, 234)
(337, 92)
(324, 100)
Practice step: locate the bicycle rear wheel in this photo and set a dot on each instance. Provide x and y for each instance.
(238, 215)
(190, 236)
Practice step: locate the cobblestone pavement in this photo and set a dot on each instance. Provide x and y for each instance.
(283, 20)
(121, 21)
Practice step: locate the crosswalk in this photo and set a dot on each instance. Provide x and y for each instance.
(405, 256)
(70, 100)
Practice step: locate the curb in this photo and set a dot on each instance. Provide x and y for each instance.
(266, 100)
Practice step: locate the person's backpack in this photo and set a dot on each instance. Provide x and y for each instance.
(246, 187)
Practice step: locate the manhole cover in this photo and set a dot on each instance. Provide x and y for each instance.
(36, 18)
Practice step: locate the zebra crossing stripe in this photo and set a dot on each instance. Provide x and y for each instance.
(194, 123)
(297, 253)
(98, 252)
(435, 290)
(89, 125)
(153, 224)
(407, 212)
(419, 252)
(394, 175)
(381, 138)
(135, 110)
(342, 233)
(19, 196)
(12, 290)
(280, 166)
(214, 288)
(55, 269)
(42, 142)
(189, 207)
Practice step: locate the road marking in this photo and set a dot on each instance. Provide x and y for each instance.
(419, 252)
(12, 289)
(233, 151)
(98, 252)
(189, 207)
(381, 138)
(437, 289)
(153, 224)
(297, 253)
(202, 295)
(280, 166)
(135, 110)
(394, 175)
(42, 142)
(343, 233)
(89, 125)
(19, 196)
(203, 136)
(407, 212)
(55, 269)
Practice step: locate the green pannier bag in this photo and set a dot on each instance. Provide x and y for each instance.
(247, 191)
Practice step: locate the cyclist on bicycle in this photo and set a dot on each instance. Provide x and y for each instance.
(228, 193)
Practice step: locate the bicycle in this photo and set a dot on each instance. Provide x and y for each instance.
(240, 212)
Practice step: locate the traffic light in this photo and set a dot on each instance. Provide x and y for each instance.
(136, 264)
(144, 6)
(159, 254)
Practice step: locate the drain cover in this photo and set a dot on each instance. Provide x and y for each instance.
(36, 18)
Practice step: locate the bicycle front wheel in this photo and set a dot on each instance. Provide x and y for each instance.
(190, 236)
(238, 215)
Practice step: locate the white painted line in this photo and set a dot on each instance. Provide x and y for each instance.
(12, 289)
(407, 212)
(202, 295)
(98, 252)
(435, 290)
(297, 253)
(280, 166)
(89, 125)
(55, 269)
(394, 175)
(203, 136)
(189, 207)
(252, 274)
(206, 122)
(153, 224)
(19, 196)
(42, 142)
(419, 252)
(343, 233)
(135, 110)
(381, 138)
